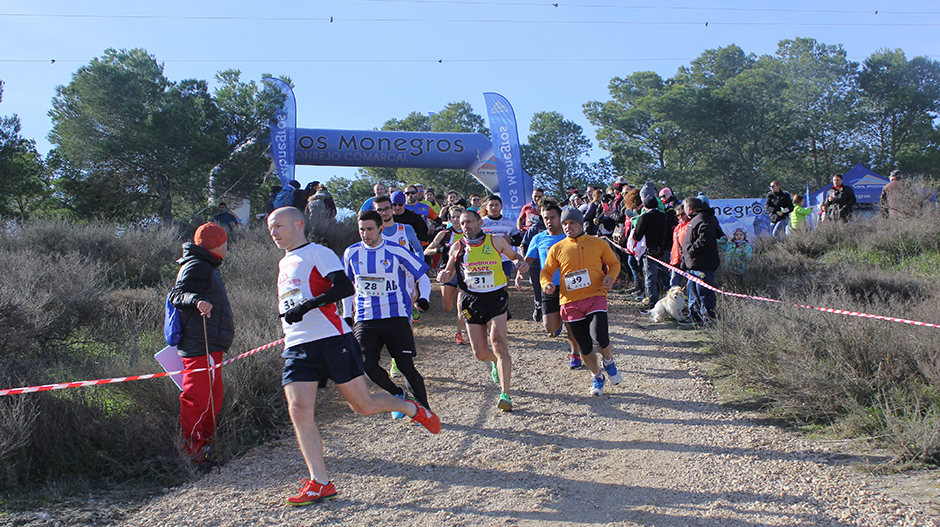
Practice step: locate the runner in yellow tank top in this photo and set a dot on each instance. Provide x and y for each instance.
(483, 300)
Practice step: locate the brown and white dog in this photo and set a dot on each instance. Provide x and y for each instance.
(668, 306)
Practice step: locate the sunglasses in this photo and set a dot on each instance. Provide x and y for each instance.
(398, 205)
(411, 192)
(383, 209)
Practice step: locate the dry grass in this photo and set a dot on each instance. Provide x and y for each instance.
(86, 302)
(869, 377)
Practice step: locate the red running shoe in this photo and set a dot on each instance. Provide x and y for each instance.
(426, 418)
(459, 338)
(312, 492)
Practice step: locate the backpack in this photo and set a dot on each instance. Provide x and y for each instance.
(172, 325)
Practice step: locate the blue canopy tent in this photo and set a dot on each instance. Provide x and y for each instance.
(866, 184)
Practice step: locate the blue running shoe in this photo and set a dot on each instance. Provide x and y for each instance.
(612, 372)
(597, 384)
(575, 363)
(399, 415)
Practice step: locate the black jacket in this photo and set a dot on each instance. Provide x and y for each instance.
(417, 223)
(778, 205)
(700, 246)
(652, 224)
(199, 279)
(839, 202)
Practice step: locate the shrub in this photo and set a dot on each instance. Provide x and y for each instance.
(874, 377)
(66, 314)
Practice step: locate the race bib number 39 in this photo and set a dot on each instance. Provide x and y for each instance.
(288, 299)
(577, 280)
(370, 285)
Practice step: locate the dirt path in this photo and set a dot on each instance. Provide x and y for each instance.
(656, 450)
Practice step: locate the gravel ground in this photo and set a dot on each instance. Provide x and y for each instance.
(656, 450)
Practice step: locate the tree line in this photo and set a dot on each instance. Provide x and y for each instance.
(129, 145)
(731, 122)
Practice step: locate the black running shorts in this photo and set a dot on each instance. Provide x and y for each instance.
(337, 357)
(393, 333)
(480, 308)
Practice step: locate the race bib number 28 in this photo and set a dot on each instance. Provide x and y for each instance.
(370, 285)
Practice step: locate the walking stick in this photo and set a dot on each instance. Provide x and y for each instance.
(215, 425)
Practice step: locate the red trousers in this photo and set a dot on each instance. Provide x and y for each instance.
(196, 418)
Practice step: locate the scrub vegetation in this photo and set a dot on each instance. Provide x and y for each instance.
(857, 377)
(82, 302)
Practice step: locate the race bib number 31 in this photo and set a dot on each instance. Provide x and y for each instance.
(577, 280)
(481, 279)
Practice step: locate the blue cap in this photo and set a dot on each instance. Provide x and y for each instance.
(398, 197)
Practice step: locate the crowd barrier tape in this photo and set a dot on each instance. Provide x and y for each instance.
(77, 384)
(701, 282)
(697, 280)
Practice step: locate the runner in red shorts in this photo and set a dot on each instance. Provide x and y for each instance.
(588, 267)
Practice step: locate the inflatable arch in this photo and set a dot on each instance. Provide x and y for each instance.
(495, 163)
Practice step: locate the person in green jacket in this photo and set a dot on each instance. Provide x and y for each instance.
(799, 214)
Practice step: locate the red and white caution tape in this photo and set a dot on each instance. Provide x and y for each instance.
(701, 282)
(77, 384)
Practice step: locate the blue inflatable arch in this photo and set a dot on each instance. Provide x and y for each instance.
(496, 163)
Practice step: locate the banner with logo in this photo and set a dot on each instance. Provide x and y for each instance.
(515, 186)
(283, 132)
(747, 214)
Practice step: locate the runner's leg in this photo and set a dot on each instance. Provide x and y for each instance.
(478, 343)
(362, 402)
(500, 348)
(413, 379)
(301, 402)
(371, 343)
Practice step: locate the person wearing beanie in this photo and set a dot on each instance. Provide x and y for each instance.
(207, 332)
(400, 214)
(651, 225)
(582, 293)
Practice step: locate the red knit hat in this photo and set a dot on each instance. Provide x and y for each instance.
(209, 236)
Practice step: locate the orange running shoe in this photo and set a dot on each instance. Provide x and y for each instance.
(459, 338)
(426, 418)
(312, 492)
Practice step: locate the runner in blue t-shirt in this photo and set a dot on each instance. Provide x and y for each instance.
(551, 307)
(379, 190)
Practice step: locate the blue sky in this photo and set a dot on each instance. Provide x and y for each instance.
(380, 59)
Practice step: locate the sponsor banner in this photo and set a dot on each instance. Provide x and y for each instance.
(283, 130)
(746, 213)
(372, 148)
(515, 186)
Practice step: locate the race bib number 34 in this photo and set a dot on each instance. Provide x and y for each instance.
(288, 299)
(577, 280)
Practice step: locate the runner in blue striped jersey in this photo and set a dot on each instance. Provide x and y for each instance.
(382, 304)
